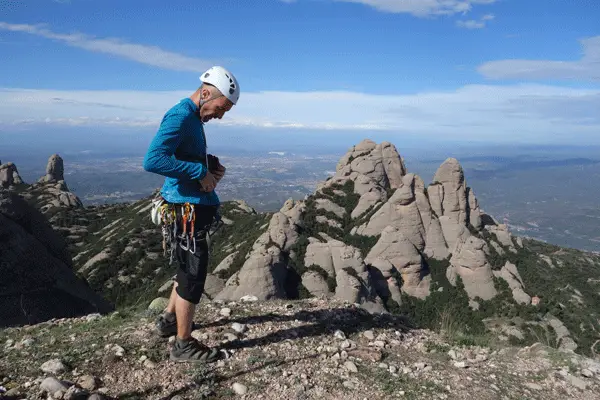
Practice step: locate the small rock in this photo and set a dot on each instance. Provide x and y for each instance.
(350, 366)
(428, 368)
(52, 385)
(366, 354)
(496, 388)
(379, 344)
(158, 305)
(149, 364)
(88, 382)
(383, 366)
(230, 336)
(92, 317)
(419, 365)
(575, 381)
(344, 354)
(481, 358)
(249, 298)
(177, 398)
(345, 344)
(59, 395)
(12, 393)
(9, 343)
(369, 335)
(97, 396)
(339, 335)
(54, 367)
(27, 342)
(452, 354)
(239, 328)
(587, 373)
(393, 369)
(348, 384)
(533, 386)
(460, 364)
(75, 393)
(119, 351)
(225, 312)
(239, 389)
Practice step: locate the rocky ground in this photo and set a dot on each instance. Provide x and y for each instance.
(306, 349)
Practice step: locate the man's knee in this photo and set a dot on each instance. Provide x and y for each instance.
(190, 293)
(191, 280)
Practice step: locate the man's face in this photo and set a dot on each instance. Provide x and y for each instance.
(215, 107)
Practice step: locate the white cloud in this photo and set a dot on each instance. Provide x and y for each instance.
(475, 24)
(587, 68)
(150, 55)
(534, 113)
(422, 8)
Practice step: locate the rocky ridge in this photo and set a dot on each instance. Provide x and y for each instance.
(49, 194)
(412, 223)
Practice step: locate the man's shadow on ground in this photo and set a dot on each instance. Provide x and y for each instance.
(349, 320)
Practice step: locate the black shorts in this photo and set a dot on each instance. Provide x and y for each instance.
(193, 265)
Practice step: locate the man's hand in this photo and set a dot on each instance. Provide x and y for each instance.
(215, 167)
(208, 182)
(219, 173)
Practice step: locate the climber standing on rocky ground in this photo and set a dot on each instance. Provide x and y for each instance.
(189, 203)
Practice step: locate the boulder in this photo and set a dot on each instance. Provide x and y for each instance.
(469, 262)
(38, 282)
(315, 283)
(54, 169)
(401, 212)
(395, 248)
(9, 175)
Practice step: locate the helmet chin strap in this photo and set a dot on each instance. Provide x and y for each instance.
(203, 102)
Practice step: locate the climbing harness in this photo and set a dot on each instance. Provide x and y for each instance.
(179, 229)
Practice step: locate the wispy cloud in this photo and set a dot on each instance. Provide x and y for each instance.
(475, 23)
(587, 68)
(421, 8)
(150, 55)
(535, 113)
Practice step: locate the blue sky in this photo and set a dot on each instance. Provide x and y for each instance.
(492, 70)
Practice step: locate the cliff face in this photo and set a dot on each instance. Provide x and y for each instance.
(38, 282)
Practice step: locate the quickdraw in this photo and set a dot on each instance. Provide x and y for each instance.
(180, 230)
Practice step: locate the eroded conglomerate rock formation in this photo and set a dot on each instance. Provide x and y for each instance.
(373, 198)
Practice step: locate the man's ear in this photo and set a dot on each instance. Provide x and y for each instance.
(204, 93)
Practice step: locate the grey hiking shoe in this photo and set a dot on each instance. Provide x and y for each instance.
(167, 325)
(193, 351)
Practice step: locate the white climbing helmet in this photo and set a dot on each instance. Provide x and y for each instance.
(223, 80)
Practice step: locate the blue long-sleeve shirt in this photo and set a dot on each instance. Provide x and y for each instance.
(178, 152)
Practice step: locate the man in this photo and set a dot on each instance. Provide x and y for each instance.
(179, 152)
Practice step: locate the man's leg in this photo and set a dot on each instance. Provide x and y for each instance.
(185, 314)
(191, 277)
(171, 306)
(166, 323)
